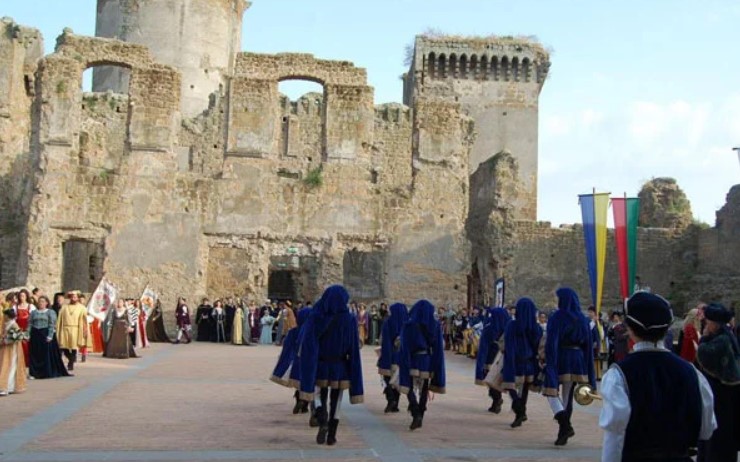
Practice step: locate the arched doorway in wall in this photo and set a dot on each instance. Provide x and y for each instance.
(302, 119)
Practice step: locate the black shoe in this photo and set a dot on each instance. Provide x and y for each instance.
(518, 420)
(496, 406)
(394, 406)
(416, 422)
(322, 420)
(313, 422)
(387, 408)
(297, 407)
(84, 358)
(70, 366)
(563, 433)
(331, 438)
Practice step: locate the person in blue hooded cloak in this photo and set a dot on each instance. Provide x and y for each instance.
(495, 321)
(329, 357)
(287, 370)
(521, 362)
(569, 359)
(390, 348)
(422, 361)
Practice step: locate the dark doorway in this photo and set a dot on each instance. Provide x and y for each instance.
(281, 285)
(82, 265)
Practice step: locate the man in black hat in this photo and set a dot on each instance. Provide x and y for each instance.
(656, 405)
(718, 358)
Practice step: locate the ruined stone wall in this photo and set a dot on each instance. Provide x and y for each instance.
(497, 82)
(328, 187)
(20, 49)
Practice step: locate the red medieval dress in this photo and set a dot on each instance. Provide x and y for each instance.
(23, 317)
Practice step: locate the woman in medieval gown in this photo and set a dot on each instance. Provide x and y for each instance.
(203, 321)
(362, 320)
(12, 363)
(118, 327)
(23, 310)
(266, 321)
(155, 330)
(254, 321)
(237, 327)
(46, 359)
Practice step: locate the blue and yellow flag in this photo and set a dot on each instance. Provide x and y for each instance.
(594, 209)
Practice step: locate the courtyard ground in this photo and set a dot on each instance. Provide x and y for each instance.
(206, 402)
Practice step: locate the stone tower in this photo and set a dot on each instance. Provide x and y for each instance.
(198, 37)
(497, 81)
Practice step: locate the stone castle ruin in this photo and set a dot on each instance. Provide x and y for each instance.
(187, 170)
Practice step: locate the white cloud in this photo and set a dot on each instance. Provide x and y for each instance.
(617, 149)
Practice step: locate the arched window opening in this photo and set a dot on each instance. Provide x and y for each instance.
(442, 67)
(526, 70)
(301, 118)
(463, 67)
(105, 114)
(494, 68)
(505, 68)
(515, 69)
(431, 64)
(484, 68)
(474, 67)
(453, 66)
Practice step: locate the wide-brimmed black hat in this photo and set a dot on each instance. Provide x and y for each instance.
(718, 313)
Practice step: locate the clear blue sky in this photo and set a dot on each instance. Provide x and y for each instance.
(637, 89)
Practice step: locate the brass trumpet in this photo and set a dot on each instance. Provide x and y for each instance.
(584, 395)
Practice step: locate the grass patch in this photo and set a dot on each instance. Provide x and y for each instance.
(314, 178)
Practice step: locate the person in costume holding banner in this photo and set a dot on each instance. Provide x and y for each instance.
(568, 360)
(390, 347)
(521, 358)
(330, 360)
(422, 361)
(657, 407)
(72, 328)
(496, 322)
(287, 370)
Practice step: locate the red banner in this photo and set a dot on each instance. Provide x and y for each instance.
(620, 236)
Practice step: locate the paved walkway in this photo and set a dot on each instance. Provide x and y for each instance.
(205, 402)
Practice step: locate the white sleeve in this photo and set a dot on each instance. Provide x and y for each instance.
(708, 420)
(615, 414)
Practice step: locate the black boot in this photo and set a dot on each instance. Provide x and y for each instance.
(297, 407)
(417, 414)
(388, 392)
(520, 415)
(322, 419)
(70, 365)
(304, 407)
(313, 421)
(496, 406)
(331, 438)
(563, 428)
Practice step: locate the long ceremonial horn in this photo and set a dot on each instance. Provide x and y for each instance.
(584, 395)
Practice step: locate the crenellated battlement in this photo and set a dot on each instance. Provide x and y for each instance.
(310, 104)
(393, 113)
(505, 59)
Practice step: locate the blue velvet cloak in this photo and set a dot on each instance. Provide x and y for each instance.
(569, 354)
(521, 345)
(390, 332)
(422, 350)
(329, 352)
(287, 370)
(495, 321)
